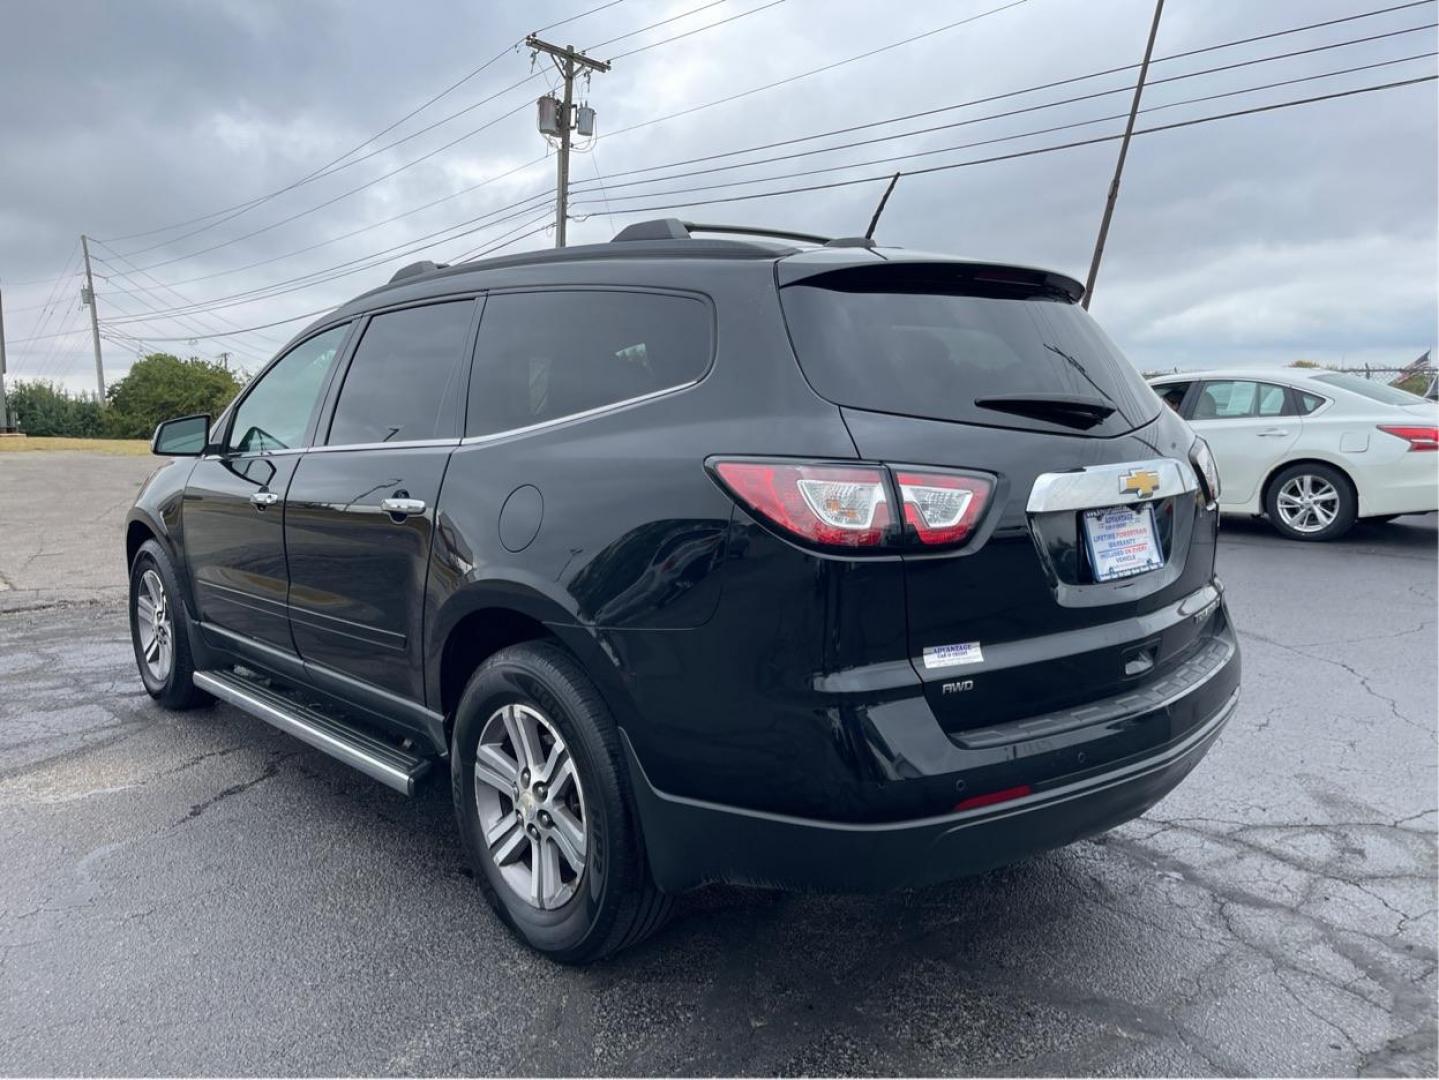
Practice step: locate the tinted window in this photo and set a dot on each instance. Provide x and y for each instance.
(277, 410)
(1389, 395)
(1308, 402)
(926, 341)
(542, 356)
(1233, 399)
(404, 381)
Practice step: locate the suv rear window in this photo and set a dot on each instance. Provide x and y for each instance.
(931, 342)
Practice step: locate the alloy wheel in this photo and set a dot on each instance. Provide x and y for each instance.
(531, 806)
(1308, 503)
(155, 626)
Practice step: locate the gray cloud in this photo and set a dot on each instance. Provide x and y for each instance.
(1302, 232)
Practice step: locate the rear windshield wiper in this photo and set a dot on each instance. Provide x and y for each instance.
(1068, 409)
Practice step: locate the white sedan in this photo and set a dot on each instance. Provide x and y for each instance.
(1310, 449)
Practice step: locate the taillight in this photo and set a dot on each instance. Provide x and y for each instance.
(1419, 437)
(1203, 461)
(941, 507)
(834, 505)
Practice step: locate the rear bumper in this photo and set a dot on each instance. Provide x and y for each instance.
(692, 841)
(1407, 486)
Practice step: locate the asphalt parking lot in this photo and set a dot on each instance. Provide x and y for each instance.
(199, 893)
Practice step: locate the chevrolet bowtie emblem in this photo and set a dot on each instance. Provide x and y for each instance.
(1140, 482)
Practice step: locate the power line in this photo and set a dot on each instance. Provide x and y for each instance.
(162, 285)
(1054, 84)
(339, 165)
(819, 70)
(583, 185)
(250, 203)
(512, 112)
(303, 281)
(611, 186)
(364, 228)
(653, 25)
(1018, 154)
(315, 314)
(982, 142)
(697, 30)
(411, 246)
(308, 278)
(1030, 153)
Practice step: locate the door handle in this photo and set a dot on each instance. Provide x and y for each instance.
(263, 499)
(1273, 433)
(402, 507)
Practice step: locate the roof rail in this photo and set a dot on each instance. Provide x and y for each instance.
(675, 229)
(415, 269)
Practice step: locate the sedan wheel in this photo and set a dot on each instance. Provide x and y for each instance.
(531, 806)
(1311, 501)
(1308, 504)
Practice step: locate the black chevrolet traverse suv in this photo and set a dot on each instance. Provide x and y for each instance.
(764, 559)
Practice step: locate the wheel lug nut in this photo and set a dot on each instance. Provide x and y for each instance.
(539, 791)
(544, 819)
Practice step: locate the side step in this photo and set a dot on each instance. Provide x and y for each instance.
(388, 764)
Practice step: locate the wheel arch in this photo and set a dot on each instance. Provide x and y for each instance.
(1307, 459)
(484, 618)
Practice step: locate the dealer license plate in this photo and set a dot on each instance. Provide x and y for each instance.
(1122, 541)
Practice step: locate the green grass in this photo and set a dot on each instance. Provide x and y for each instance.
(122, 447)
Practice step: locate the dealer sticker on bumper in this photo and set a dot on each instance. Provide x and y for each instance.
(940, 656)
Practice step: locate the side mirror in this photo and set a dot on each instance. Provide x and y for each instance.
(185, 436)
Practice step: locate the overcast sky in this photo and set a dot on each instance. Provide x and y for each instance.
(1307, 232)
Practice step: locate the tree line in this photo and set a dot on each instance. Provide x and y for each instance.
(156, 388)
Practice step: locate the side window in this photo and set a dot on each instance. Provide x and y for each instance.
(1307, 402)
(404, 380)
(1172, 394)
(1233, 400)
(277, 409)
(1270, 400)
(544, 356)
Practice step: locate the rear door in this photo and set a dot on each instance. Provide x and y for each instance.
(234, 500)
(996, 373)
(361, 510)
(1250, 427)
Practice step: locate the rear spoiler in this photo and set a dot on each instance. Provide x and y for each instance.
(854, 269)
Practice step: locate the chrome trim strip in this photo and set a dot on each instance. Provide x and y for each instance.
(404, 445)
(291, 724)
(599, 410)
(1099, 485)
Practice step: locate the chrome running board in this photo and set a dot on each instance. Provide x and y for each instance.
(390, 765)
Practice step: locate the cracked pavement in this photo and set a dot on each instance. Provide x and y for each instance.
(198, 893)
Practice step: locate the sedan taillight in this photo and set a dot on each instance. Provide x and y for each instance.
(1418, 436)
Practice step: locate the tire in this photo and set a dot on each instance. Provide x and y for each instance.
(536, 692)
(170, 682)
(1311, 501)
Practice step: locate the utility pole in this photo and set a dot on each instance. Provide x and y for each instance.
(225, 360)
(570, 62)
(87, 295)
(5, 424)
(1123, 153)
